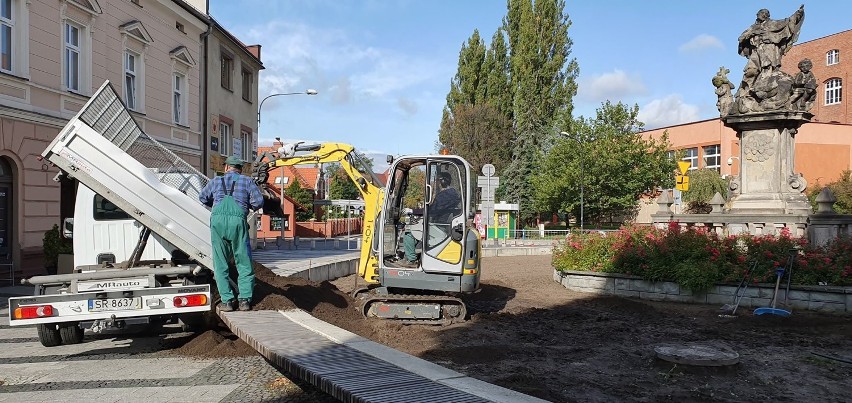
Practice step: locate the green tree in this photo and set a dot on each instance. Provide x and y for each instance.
(612, 161)
(495, 69)
(340, 186)
(842, 190)
(543, 84)
(476, 123)
(415, 192)
(304, 197)
(703, 185)
(479, 133)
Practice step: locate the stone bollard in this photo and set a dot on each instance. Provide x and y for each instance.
(313, 244)
(295, 242)
(825, 201)
(717, 203)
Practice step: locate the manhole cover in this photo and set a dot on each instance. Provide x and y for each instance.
(698, 354)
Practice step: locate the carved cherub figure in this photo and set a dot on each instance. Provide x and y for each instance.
(723, 91)
(804, 87)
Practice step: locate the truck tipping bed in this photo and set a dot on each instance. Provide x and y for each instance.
(104, 149)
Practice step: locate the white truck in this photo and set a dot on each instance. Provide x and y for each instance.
(130, 188)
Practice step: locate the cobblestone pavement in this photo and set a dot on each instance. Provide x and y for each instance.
(127, 368)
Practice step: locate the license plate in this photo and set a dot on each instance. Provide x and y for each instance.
(115, 304)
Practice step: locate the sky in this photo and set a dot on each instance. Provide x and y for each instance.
(382, 68)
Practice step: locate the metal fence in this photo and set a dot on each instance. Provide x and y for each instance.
(548, 234)
(108, 116)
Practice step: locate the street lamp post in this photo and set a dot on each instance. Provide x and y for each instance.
(582, 175)
(259, 109)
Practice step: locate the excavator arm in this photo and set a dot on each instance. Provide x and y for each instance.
(368, 184)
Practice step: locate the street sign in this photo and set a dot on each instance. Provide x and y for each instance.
(684, 166)
(492, 181)
(682, 183)
(489, 184)
(488, 170)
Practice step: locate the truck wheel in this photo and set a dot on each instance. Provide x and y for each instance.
(71, 333)
(48, 335)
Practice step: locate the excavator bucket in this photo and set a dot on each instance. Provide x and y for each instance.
(271, 202)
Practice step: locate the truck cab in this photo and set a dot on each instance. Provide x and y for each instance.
(104, 233)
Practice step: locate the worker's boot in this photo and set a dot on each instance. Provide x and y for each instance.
(407, 264)
(227, 306)
(245, 305)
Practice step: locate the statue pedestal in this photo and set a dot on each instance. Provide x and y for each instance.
(767, 183)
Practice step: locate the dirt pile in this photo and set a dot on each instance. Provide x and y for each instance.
(214, 343)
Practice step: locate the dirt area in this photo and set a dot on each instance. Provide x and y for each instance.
(529, 334)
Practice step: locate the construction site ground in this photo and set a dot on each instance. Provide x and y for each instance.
(528, 333)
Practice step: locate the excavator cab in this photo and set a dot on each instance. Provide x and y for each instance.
(427, 237)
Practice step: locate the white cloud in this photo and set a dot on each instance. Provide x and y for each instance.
(612, 86)
(701, 42)
(668, 111)
(341, 65)
(408, 106)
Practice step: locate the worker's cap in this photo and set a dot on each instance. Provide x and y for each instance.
(234, 161)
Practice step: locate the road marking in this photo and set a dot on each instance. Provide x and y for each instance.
(101, 370)
(208, 393)
(17, 333)
(103, 346)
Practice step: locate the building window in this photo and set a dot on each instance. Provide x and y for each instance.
(7, 25)
(691, 155)
(833, 91)
(227, 71)
(131, 80)
(832, 57)
(72, 56)
(245, 138)
(713, 157)
(225, 143)
(179, 99)
(247, 81)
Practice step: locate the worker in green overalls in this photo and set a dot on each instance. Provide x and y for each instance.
(232, 195)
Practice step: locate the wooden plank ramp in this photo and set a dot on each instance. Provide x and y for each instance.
(352, 368)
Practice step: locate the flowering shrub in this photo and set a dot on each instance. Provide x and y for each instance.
(696, 258)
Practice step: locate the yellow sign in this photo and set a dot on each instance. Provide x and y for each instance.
(682, 183)
(684, 166)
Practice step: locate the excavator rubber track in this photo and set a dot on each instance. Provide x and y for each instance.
(414, 309)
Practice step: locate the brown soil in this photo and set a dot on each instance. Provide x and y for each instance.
(528, 333)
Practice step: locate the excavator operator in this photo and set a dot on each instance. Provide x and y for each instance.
(441, 210)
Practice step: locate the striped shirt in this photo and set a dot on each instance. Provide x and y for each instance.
(246, 192)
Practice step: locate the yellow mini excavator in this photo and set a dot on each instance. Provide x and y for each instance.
(436, 231)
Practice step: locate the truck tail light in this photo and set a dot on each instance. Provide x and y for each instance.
(184, 301)
(35, 311)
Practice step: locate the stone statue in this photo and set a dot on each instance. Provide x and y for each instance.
(804, 87)
(723, 91)
(765, 41)
(764, 86)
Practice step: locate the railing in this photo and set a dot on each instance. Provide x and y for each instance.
(548, 234)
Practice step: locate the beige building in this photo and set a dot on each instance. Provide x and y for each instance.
(231, 108)
(55, 53)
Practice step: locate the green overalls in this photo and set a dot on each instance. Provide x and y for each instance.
(229, 234)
